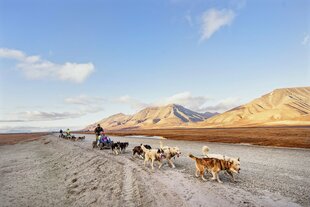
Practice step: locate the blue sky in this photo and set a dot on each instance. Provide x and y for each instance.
(71, 63)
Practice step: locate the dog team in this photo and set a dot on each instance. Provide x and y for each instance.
(209, 163)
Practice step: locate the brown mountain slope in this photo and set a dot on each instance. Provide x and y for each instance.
(172, 115)
(287, 106)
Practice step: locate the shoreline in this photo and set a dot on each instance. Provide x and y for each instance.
(281, 137)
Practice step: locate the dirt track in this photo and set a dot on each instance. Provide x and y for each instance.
(54, 171)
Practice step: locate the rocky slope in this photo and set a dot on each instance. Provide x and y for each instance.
(287, 106)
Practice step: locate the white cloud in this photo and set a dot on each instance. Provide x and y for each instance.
(213, 20)
(133, 103)
(75, 72)
(222, 105)
(13, 54)
(306, 40)
(185, 99)
(34, 67)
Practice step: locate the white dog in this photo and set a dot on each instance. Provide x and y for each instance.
(153, 155)
(234, 160)
(205, 150)
(170, 152)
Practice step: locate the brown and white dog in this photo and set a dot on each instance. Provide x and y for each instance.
(153, 155)
(138, 150)
(234, 160)
(213, 165)
(170, 152)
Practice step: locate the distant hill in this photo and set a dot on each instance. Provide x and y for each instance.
(172, 115)
(287, 106)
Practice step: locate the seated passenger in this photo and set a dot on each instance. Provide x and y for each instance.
(103, 139)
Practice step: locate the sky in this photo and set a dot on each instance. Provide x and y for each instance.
(67, 64)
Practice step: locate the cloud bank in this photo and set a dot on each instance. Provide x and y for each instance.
(196, 103)
(185, 99)
(47, 116)
(222, 105)
(79, 106)
(34, 67)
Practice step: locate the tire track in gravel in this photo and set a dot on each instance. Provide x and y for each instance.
(146, 189)
(131, 194)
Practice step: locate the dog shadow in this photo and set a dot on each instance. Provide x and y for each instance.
(224, 177)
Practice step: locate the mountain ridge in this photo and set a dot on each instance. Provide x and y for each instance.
(172, 115)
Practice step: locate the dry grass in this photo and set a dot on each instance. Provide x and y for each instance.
(19, 137)
(265, 136)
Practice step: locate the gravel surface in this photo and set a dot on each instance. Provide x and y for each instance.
(57, 172)
(266, 172)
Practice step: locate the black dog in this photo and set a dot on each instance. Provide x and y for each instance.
(116, 148)
(123, 146)
(81, 138)
(119, 147)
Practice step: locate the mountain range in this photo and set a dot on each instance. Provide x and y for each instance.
(286, 106)
(172, 115)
